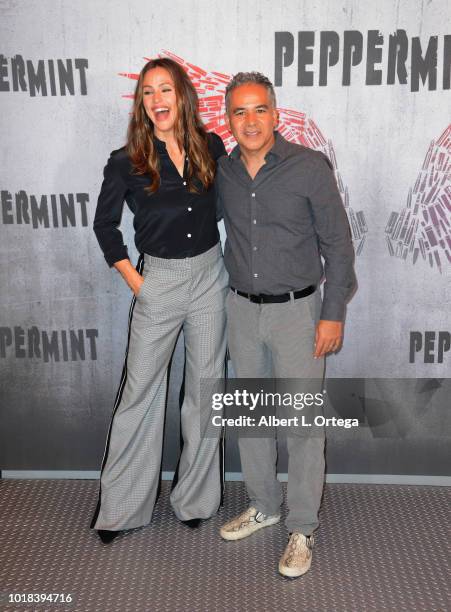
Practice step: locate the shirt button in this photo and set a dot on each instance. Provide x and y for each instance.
(189, 208)
(255, 221)
(255, 248)
(188, 235)
(184, 182)
(253, 195)
(256, 275)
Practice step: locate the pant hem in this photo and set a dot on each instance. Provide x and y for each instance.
(306, 530)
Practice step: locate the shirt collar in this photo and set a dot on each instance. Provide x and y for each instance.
(159, 145)
(279, 150)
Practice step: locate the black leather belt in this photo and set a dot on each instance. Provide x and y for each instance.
(264, 298)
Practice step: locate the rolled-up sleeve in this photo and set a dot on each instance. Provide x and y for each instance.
(109, 212)
(334, 237)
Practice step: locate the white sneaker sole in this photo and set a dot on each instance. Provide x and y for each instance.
(292, 572)
(247, 531)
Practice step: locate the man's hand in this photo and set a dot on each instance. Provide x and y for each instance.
(329, 335)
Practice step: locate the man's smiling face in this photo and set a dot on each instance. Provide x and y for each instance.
(252, 118)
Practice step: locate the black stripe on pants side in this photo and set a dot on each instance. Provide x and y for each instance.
(117, 401)
(181, 400)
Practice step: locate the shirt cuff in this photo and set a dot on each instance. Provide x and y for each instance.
(117, 255)
(333, 310)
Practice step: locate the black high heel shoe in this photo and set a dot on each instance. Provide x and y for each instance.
(107, 536)
(192, 523)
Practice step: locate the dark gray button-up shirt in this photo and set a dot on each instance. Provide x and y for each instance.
(280, 224)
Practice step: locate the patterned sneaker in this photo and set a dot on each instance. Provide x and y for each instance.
(246, 524)
(297, 558)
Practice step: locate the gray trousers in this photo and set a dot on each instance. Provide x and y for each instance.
(276, 340)
(177, 294)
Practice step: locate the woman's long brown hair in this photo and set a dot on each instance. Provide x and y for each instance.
(189, 130)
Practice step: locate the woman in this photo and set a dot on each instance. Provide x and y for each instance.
(165, 173)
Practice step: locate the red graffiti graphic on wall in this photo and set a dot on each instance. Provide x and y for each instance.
(294, 125)
(424, 224)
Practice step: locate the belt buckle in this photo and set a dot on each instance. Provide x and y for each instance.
(255, 299)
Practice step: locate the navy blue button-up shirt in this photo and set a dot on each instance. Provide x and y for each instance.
(172, 222)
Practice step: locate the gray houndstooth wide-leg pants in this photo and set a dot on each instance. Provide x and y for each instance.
(177, 294)
(276, 340)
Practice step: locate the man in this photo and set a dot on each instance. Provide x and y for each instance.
(282, 213)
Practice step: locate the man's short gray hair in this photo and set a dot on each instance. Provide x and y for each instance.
(242, 78)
